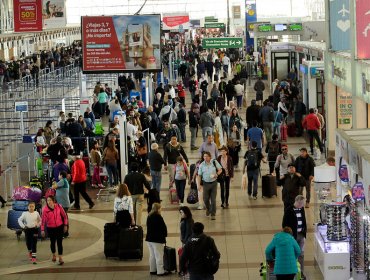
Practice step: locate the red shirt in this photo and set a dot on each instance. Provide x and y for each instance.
(181, 91)
(311, 122)
(78, 171)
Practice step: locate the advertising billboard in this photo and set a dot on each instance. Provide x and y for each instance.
(27, 15)
(340, 25)
(121, 43)
(177, 21)
(54, 13)
(363, 28)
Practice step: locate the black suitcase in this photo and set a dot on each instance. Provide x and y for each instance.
(130, 245)
(215, 78)
(111, 239)
(169, 259)
(269, 186)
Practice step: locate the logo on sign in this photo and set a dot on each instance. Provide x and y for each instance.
(343, 173)
(358, 193)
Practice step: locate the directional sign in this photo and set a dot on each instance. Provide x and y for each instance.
(218, 43)
(214, 25)
(210, 19)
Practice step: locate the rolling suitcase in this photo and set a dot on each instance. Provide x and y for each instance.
(269, 186)
(283, 132)
(174, 199)
(20, 205)
(291, 130)
(169, 259)
(111, 239)
(13, 216)
(130, 245)
(215, 78)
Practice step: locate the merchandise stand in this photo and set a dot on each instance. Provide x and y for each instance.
(352, 190)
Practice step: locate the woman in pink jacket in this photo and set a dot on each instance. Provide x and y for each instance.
(56, 221)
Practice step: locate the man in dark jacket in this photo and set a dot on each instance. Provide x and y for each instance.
(172, 150)
(305, 166)
(259, 87)
(230, 92)
(54, 150)
(292, 183)
(156, 161)
(181, 118)
(193, 258)
(295, 218)
(193, 124)
(136, 182)
(252, 113)
(76, 132)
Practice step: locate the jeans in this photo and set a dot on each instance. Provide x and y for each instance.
(253, 179)
(156, 180)
(267, 127)
(206, 131)
(138, 200)
(112, 173)
(277, 130)
(193, 133)
(301, 241)
(95, 180)
(314, 134)
(226, 70)
(80, 188)
(182, 131)
(239, 100)
(180, 188)
(31, 240)
(201, 277)
(308, 190)
(156, 251)
(225, 190)
(56, 235)
(209, 196)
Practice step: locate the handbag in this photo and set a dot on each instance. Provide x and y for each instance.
(192, 196)
(221, 177)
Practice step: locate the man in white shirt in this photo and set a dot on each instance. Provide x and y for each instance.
(131, 130)
(172, 92)
(239, 89)
(167, 113)
(226, 63)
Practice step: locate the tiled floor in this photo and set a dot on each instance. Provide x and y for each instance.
(241, 234)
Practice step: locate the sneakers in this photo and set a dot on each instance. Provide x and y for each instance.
(61, 262)
(91, 205)
(33, 260)
(30, 255)
(255, 197)
(200, 207)
(94, 186)
(207, 213)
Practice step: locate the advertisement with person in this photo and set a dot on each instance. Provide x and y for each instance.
(27, 15)
(176, 21)
(121, 43)
(53, 13)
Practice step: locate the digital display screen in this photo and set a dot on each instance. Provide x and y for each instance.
(295, 27)
(265, 28)
(280, 27)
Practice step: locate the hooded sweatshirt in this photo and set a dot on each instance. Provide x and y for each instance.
(53, 218)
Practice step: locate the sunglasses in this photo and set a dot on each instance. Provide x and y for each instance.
(284, 149)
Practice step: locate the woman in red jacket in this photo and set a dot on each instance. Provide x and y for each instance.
(56, 222)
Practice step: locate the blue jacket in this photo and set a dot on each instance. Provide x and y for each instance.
(286, 251)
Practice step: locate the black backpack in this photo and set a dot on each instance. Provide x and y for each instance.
(252, 159)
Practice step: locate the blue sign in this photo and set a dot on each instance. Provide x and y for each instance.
(250, 18)
(303, 69)
(340, 25)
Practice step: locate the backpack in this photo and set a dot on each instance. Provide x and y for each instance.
(212, 260)
(271, 115)
(273, 149)
(215, 94)
(252, 159)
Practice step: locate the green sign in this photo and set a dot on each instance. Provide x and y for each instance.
(264, 27)
(295, 27)
(218, 43)
(215, 25)
(210, 19)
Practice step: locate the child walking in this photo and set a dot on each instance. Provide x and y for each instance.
(30, 221)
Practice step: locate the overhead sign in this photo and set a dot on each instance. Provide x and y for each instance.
(215, 25)
(264, 27)
(219, 43)
(27, 15)
(250, 19)
(194, 23)
(363, 28)
(176, 21)
(21, 106)
(54, 13)
(121, 43)
(339, 25)
(236, 12)
(210, 19)
(295, 27)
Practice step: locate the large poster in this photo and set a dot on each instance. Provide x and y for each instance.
(121, 43)
(54, 13)
(250, 19)
(178, 21)
(340, 25)
(363, 28)
(27, 15)
(344, 109)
